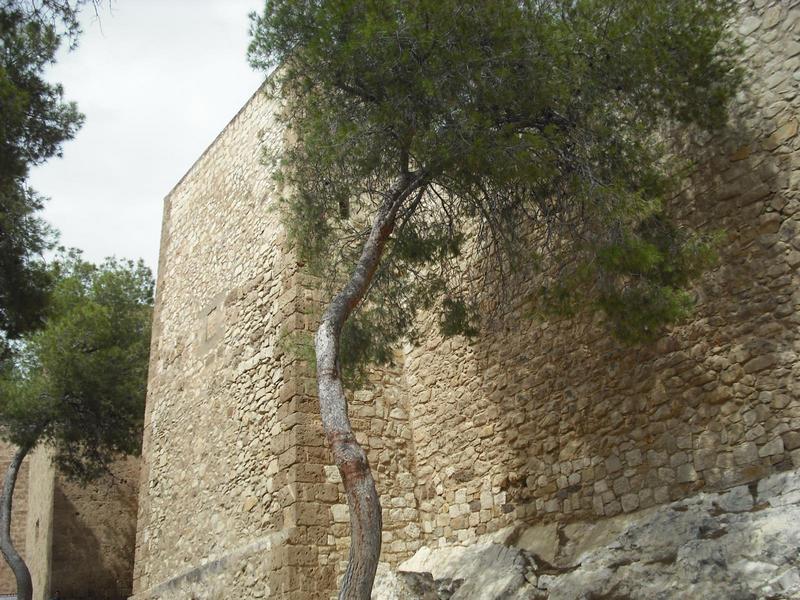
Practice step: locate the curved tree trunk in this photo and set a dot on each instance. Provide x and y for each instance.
(350, 458)
(14, 560)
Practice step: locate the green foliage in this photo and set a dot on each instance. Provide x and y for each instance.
(34, 122)
(59, 16)
(79, 383)
(457, 318)
(35, 119)
(536, 127)
(24, 279)
(646, 276)
(638, 281)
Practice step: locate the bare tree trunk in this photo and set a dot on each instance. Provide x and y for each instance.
(350, 458)
(14, 560)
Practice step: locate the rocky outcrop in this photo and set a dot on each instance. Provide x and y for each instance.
(743, 543)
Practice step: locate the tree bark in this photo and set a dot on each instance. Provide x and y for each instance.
(350, 458)
(14, 560)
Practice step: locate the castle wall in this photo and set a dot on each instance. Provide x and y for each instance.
(553, 420)
(230, 441)
(535, 421)
(237, 489)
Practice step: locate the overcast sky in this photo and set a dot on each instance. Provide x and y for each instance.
(157, 80)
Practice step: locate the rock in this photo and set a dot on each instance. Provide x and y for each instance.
(791, 440)
(613, 464)
(786, 583)
(688, 550)
(783, 134)
(772, 17)
(772, 447)
(485, 570)
(541, 540)
(745, 453)
(749, 25)
(780, 490)
(403, 585)
(686, 473)
(341, 513)
(739, 499)
(759, 363)
(630, 502)
(741, 153)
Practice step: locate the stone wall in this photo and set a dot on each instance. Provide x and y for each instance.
(535, 421)
(555, 421)
(93, 534)
(235, 460)
(77, 539)
(230, 435)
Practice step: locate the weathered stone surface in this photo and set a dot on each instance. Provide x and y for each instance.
(711, 545)
(738, 499)
(542, 540)
(409, 585)
(486, 570)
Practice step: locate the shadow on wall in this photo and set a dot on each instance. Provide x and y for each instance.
(588, 427)
(81, 566)
(543, 421)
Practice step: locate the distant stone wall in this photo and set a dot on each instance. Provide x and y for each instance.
(77, 539)
(535, 421)
(93, 534)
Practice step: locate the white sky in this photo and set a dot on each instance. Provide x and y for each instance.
(157, 80)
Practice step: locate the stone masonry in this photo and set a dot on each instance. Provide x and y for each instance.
(93, 534)
(536, 422)
(230, 447)
(77, 539)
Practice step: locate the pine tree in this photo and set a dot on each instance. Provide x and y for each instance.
(525, 140)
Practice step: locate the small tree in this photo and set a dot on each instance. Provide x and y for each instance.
(522, 141)
(78, 385)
